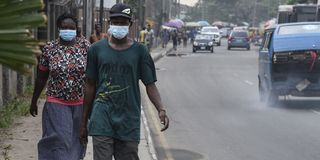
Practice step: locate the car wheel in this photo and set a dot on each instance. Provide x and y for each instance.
(272, 97)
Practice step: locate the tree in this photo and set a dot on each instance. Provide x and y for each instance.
(18, 48)
(301, 1)
(235, 11)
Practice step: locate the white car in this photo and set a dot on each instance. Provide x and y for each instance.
(214, 31)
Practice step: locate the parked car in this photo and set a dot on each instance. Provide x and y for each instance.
(289, 61)
(241, 28)
(203, 42)
(212, 31)
(225, 32)
(239, 39)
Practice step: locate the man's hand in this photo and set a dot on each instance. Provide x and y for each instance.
(33, 109)
(164, 119)
(83, 135)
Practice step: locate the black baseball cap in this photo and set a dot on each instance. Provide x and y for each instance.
(120, 10)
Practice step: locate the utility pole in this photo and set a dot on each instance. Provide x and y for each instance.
(179, 9)
(141, 13)
(254, 13)
(170, 9)
(175, 8)
(101, 13)
(269, 6)
(87, 18)
(202, 9)
(317, 12)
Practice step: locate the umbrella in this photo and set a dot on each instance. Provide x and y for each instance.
(192, 24)
(203, 23)
(218, 23)
(179, 21)
(174, 23)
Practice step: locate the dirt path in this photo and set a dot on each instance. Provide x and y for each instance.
(20, 141)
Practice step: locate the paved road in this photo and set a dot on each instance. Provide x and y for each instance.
(212, 100)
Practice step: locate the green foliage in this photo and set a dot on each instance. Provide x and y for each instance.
(16, 108)
(301, 1)
(235, 11)
(18, 48)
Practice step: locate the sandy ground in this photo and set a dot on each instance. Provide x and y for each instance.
(20, 141)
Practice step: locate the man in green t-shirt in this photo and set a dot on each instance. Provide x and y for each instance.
(112, 95)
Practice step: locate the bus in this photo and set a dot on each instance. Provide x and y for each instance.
(285, 13)
(297, 13)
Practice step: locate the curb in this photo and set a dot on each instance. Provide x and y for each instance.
(147, 131)
(161, 54)
(149, 139)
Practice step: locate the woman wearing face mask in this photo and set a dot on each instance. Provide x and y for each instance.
(62, 63)
(112, 97)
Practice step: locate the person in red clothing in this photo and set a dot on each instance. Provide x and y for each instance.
(61, 66)
(98, 35)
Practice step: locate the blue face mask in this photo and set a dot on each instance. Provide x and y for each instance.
(119, 32)
(67, 34)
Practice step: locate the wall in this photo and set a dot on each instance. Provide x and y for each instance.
(12, 84)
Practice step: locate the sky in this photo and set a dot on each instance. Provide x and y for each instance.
(189, 2)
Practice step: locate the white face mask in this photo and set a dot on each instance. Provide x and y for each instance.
(119, 32)
(67, 34)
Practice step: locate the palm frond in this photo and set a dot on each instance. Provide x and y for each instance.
(18, 48)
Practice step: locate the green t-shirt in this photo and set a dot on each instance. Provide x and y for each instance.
(116, 109)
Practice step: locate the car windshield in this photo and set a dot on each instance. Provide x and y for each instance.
(239, 34)
(210, 30)
(298, 29)
(201, 36)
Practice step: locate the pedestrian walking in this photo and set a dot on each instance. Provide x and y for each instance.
(149, 37)
(184, 38)
(192, 35)
(62, 63)
(179, 36)
(98, 34)
(112, 96)
(142, 36)
(174, 36)
(165, 36)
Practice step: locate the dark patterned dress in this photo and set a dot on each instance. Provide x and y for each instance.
(63, 108)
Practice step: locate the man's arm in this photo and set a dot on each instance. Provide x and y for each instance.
(40, 83)
(155, 98)
(90, 91)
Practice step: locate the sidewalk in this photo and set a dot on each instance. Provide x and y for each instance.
(21, 141)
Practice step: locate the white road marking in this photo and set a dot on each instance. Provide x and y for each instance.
(249, 83)
(161, 69)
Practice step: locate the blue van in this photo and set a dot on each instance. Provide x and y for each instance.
(289, 61)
